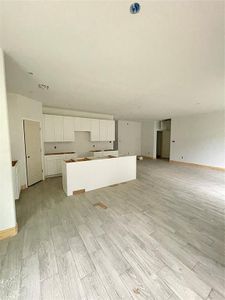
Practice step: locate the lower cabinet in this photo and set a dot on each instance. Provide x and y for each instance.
(53, 163)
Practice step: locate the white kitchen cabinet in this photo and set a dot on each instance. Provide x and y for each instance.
(50, 167)
(68, 129)
(111, 130)
(53, 163)
(82, 124)
(62, 128)
(103, 130)
(49, 128)
(53, 128)
(58, 128)
(107, 130)
(95, 130)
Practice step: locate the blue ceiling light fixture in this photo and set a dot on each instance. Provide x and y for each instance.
(135, 8)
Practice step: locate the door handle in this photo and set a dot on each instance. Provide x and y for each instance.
(28, 156)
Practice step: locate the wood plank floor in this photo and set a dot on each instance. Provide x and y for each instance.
(160, 237)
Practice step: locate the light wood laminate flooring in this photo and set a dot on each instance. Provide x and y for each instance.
(160, 237)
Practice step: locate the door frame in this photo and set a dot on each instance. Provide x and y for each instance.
(24, 148)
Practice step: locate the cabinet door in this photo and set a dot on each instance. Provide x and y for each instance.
(103, 129)
(58, 163)
(68, 129)
(77, 124)
(82, 124)
(58, 128)
(51, 167)
(94, 130)
(49, 128)
(111, 130)
(107, 130)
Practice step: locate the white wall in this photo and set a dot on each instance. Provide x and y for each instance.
(199, 139)
(148, 138)
(21, 108)
(7, 203)
(129, 137)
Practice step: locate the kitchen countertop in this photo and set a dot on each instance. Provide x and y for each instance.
(58, 153)
(103, 150)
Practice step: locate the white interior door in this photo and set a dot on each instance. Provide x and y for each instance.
(32, 136)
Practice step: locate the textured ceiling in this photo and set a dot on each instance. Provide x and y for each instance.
(166, 61)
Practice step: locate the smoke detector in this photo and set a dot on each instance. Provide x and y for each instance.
(43, 86)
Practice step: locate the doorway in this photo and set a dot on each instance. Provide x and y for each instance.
(32, 140)
(159, 145)
(163, 140)
(165, 148)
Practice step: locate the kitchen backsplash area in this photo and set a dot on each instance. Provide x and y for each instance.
(82, 145)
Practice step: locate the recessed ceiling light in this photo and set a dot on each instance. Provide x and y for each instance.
(135, 8)
(43, 86)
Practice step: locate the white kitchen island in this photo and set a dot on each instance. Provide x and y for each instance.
(93, 173)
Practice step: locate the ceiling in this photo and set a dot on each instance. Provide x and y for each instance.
(166, 61)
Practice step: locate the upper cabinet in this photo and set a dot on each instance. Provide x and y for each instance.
(107, 130)
(49, 128)
(68, 129)
(95, 130)
(82, 124)
(103, 130)
(111, 130)
(62, 128)
(58, 129)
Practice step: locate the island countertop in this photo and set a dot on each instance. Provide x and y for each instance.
(96, 172)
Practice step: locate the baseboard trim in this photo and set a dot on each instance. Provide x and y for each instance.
(197, 165)
(9, 232)
(23, 187)
(147, 157)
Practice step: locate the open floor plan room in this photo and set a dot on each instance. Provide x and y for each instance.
(152, 240)
(112, 157)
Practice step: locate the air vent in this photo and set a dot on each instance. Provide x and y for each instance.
(43, 86)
